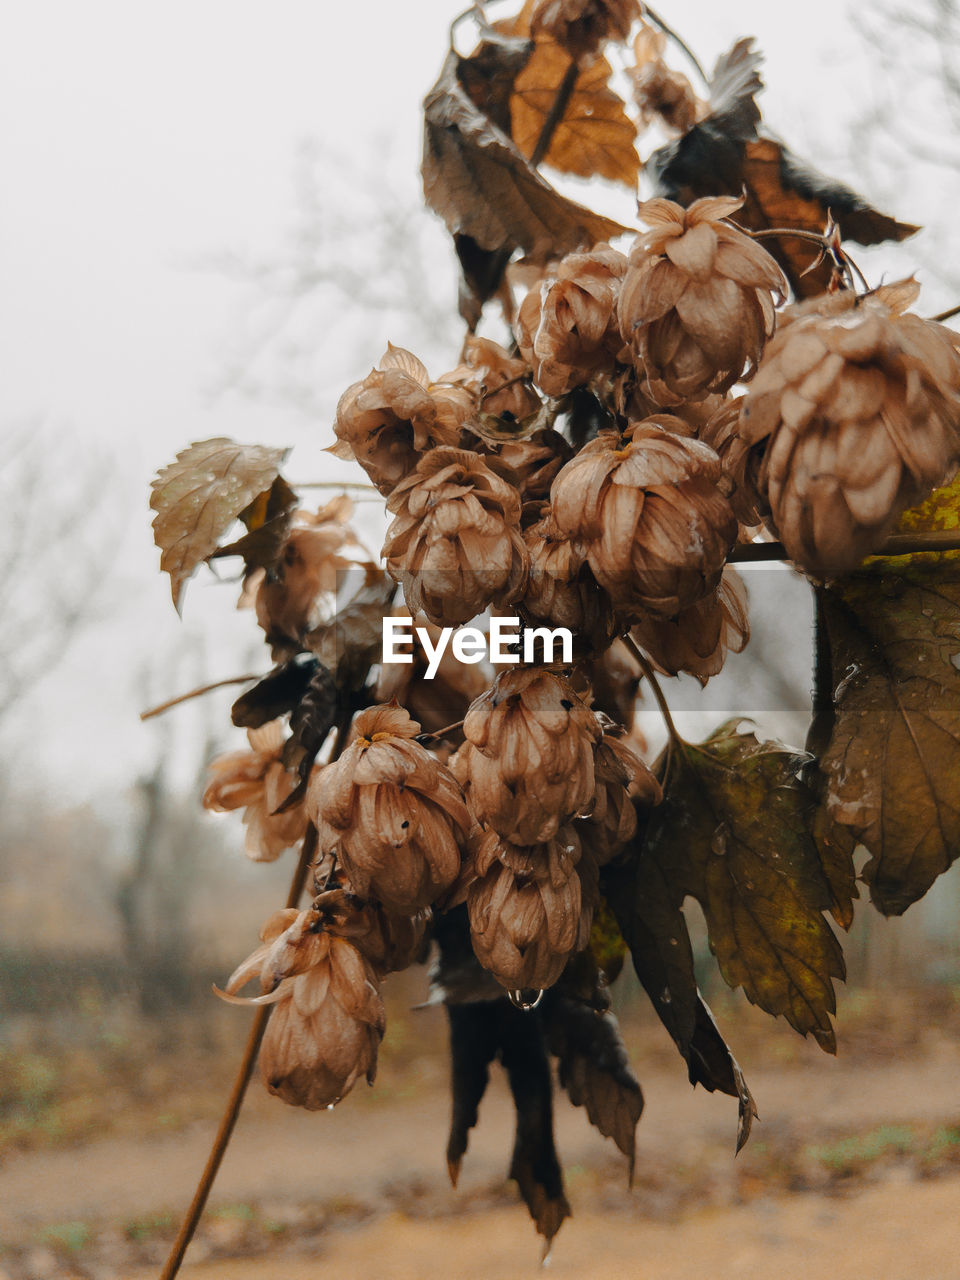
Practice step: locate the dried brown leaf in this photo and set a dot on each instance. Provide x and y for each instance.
(726, 153)
(893, 763)
(198, 497)
(595, 136)
(483, 187)
(593, 1066)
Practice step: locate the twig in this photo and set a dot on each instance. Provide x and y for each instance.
(899, 544)
(558, 110)
(197, 693)
(673, 736)
(330, 484)
(947, 315)
(237, 1093)
(440, 733)
(678, 40)
(766, 233)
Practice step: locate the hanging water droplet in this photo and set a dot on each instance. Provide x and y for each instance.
(665, 996)
(526, 999)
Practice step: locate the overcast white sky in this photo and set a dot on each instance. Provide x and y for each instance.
(136, 138)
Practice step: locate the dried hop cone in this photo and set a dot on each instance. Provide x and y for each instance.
(623, 780)
(561, 590)
(857, 409)
(740, 463)
(699, 638)
(328, 1018)
(527, 763)
(498, 383)
(300, 590)
(394, 415)
(257, 782)
(391, 812)
(389, 941)
(581, 26)
(656, 527)
(455, 544)
(527, 907)
(697, 304)
(440, 701)
(567, 326)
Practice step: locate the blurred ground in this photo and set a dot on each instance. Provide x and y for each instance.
(854, 1170)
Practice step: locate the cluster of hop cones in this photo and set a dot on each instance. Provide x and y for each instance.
(595, 478)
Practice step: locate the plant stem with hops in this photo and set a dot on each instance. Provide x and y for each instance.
(308, 851)
(898, 544)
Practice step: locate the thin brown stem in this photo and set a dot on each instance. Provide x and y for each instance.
(678, 40)
(339, 484)
(558, 110)
(651, 678)
(238, 1092)
(947, 315)
(767, 233)
(197, 693)
(440, 733)
(899, 544)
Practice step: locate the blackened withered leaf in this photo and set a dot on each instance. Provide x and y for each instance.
(893, 763)
(198, 496)
(593, 1065)
(734, 832)
(595, 136)
(727, 154)
(267, 521)
(655, 931)
(310, 721)
(474, 1043)
(479, 1033)
(482, 185)
(275, 695)
(352, 642)
(483, 1029)
(535, 1166)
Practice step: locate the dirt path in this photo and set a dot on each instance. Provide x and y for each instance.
(369, 1183)
(889, 1233)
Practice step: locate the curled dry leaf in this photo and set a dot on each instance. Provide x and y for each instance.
(482, 185)
(198, 497)
(726, 154)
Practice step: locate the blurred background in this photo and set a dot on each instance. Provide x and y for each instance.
(212, 225)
